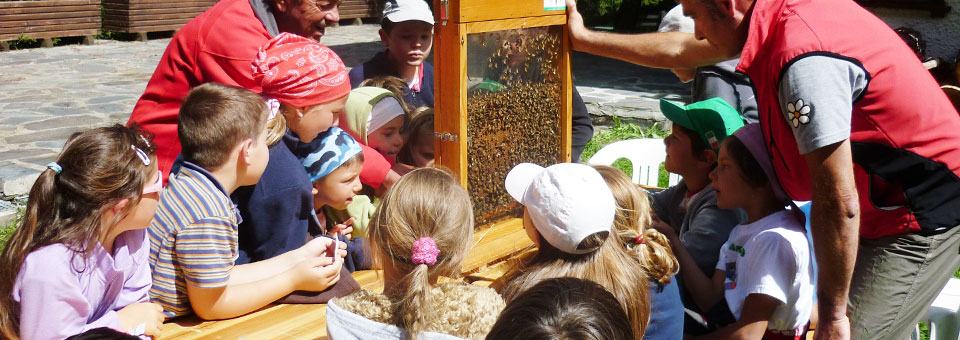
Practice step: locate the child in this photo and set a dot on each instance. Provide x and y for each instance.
(569, 213)
(78, 261)
(689, 208)
(407, 33)
(418, 151)
(652, 249)
(563, 308)
(421, 231)
(193, 237)
(374, 116)
(764, 269)
(334, 170)
(278, 210)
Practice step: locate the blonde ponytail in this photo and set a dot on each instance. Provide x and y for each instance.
(654, 253)
(651, 248)
(416, 298)
(425, 205)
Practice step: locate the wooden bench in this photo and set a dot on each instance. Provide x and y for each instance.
(48, 19)
(358, 9)
(142, 16)
(485, 263)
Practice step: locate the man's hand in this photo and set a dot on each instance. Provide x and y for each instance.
(836, 329)
(575, 24)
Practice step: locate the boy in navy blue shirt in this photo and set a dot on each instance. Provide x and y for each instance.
(407, 33)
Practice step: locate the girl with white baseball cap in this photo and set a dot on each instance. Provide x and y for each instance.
(569, 213)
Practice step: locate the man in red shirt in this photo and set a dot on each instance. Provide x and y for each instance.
(218, 46)
(879, 162)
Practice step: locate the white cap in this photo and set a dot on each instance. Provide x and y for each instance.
(675, 21)
(567, 202)
(406, 10)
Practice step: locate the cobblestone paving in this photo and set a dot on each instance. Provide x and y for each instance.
(46, 94)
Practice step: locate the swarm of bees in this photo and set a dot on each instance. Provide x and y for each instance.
(518, 123)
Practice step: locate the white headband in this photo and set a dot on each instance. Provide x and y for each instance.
(383, 112)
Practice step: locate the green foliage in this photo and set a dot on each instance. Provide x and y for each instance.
(622, 131)
(23, 42)
(7, 230)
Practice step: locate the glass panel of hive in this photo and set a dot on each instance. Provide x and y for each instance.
(513, 111)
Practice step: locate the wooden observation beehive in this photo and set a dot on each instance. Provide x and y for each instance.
(503, 94)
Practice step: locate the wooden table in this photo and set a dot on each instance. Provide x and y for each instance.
(484, 263)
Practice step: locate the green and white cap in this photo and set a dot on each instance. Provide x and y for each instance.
(713, 119)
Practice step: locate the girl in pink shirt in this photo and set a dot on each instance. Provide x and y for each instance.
(78, 261)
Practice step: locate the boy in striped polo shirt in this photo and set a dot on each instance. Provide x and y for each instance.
(193, 237)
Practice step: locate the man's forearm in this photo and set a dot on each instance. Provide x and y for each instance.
(835, 223)
(659, 50)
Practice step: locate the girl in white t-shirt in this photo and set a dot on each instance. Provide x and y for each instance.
(764, 271)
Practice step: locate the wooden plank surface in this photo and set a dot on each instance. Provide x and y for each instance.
(307, 321)
(50, 4)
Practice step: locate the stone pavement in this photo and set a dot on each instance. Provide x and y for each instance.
(46, 94)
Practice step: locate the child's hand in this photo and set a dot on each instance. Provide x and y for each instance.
(147, 313)
(319, 273)
(317, 247)
(343, 229)
(665, 229)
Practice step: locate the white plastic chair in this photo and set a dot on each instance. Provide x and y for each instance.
(943, 316)
(645, 155)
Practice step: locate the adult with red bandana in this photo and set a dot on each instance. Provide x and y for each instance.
(854, 123)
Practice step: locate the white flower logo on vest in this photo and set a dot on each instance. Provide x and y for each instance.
(799, 113)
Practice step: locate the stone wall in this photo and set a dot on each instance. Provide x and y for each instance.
(942, 34)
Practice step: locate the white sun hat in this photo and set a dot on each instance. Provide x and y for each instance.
(567, 202)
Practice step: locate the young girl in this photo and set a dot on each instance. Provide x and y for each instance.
(78, 261)
(374, 116)
(764, 271)
(420, 231)
(418, 150)
(569, 214)
(652, 249)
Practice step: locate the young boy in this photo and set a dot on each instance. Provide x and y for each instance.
(334, 169)
(193, 238)
(407, 33)
(689, 209)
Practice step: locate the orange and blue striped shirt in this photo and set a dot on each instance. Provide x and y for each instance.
(193, 238)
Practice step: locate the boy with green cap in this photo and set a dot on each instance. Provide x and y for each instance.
(689, 209)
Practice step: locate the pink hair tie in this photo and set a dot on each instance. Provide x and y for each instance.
(425, 251)
(639, 240)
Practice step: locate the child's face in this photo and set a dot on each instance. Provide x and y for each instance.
(680, 158)
(142, 214)
(387, 139)
(337, 188)
(258, 155)
(530, 228)
(316, 119)
(409, 42)
(422, 150)
(731, 190)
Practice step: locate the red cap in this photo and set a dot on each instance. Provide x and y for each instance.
(299, 71)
